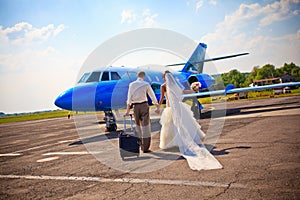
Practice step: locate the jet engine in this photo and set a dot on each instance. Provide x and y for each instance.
(206, 80)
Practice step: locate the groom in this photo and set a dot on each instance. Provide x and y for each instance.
(137, 96)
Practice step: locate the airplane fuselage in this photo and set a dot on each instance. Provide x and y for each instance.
(106, 89)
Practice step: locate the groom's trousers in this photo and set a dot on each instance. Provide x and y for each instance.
(143, 126)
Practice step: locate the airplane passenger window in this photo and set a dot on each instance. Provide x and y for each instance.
(149, 78)
(94, 77)
(157, 79)
(105, 76)
(115, 76)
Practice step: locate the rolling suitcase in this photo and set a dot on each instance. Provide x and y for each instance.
(128, 141)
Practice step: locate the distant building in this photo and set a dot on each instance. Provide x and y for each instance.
(283, 79)
(267, 81)
(288, 78)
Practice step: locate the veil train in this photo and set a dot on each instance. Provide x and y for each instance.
(187, 131)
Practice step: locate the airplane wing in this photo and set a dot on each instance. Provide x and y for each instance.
(230, 90)
(210, 59)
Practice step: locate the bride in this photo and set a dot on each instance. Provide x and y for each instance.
(180, 128)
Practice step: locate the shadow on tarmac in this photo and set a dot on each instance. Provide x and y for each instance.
(167, 156)
(159, 155)
(97, 138)
(155, 126)
(234, 111)
(224, 151)
(238, 111)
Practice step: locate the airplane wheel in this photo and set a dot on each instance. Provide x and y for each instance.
(113, 127)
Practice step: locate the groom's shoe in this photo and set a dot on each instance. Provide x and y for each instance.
(147, 151)
(139, 142)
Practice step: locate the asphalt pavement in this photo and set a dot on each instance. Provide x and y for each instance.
(257, 142)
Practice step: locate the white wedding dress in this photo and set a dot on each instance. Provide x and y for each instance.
(179, 128)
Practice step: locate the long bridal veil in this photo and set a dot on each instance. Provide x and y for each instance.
(187, 131)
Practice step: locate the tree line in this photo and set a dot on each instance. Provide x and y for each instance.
(239, 79)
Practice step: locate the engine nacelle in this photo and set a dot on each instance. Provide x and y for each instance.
(206, 80)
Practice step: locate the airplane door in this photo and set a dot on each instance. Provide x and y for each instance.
(119, 94)
(156, 89)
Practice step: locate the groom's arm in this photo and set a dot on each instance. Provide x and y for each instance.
(153, 97)
(127, 110)
(162, 95)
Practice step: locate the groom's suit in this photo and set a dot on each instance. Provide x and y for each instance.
(137, 96)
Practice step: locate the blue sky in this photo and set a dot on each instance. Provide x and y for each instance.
(44, 43)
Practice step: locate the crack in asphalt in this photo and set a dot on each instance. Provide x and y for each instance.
(124, 192)
(225, 190)
(236, 175)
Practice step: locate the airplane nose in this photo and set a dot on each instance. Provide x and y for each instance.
(78, 98)
(64, 100)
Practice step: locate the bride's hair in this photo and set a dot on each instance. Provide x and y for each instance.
(165, 72)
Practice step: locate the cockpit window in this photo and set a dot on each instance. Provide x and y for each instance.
(84, 78)
(105, 76)
(94, 77)
(115, 76)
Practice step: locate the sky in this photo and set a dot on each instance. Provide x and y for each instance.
(43, 44)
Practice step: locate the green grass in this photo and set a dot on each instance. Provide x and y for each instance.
(252, 95)
(34, 116)
(40, 115)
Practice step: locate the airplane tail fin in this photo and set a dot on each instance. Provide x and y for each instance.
(198, 54)
(196, 61)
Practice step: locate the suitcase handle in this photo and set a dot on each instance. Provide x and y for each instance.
(131, 123)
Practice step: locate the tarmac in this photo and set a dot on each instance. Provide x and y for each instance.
(257, 142)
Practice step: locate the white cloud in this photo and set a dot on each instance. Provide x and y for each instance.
(213, 2)
(58, 30)
(128, 16)
(143, 19)
(148, 19)
(266, 15)
(33, 91)
(29, 60)
(31, 78)
(23, 47)
(199, 4)
(24, 33)
(278, 11)
(235, 34)
(32, 71)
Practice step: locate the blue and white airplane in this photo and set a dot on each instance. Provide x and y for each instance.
(106, 89)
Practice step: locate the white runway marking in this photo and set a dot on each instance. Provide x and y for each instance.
(126, 180)
(47, 159)
(65, 141)
(42, 146)
(293, 111)
(72, 153)
(9, 154)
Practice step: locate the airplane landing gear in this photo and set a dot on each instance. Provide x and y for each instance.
(196, 108)
(110, 120)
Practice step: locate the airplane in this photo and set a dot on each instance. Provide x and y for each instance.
(106, 89)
